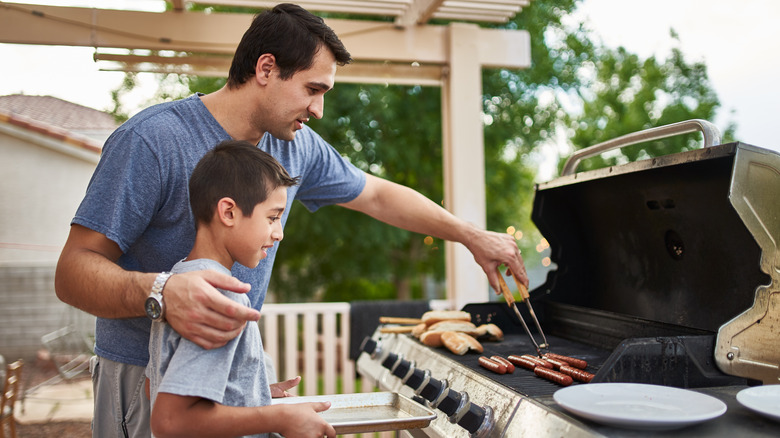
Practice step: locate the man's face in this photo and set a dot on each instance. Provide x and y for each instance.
(290, 103)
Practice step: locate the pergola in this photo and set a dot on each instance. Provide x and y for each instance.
(406, 50)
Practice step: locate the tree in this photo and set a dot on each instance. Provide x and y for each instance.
(626, 94)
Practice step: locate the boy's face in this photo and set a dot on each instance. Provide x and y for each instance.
(254, 236)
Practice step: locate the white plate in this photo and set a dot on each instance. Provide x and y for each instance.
(762, 399)
(639, 406)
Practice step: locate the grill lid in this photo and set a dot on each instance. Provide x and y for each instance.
(688, 239)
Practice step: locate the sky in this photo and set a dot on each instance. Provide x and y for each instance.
(738, 41)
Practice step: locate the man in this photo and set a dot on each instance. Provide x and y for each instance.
(135, 223)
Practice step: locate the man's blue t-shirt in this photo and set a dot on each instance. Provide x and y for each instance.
(138, 197)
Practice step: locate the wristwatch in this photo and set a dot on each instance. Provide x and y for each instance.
(154, 306)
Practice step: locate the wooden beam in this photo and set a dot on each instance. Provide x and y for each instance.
(418, 13)
(217, 33)
(218, 66)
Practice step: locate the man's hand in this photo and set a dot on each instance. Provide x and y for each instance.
(200, 313)
(492, 250)
(279, 390)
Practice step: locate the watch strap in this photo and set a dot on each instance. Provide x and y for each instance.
(159, 282)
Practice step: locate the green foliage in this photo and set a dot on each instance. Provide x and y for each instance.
(392, 132)
(626, 94)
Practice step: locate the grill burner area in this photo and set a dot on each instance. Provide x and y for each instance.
(666, 273)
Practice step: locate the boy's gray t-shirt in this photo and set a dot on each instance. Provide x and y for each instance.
(138, 197)
(232, 375)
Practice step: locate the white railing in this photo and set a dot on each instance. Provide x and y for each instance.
(310, 340)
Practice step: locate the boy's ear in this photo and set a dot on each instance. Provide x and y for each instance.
(227, 211)
(263, 68)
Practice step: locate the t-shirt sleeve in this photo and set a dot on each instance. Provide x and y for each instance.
(195, 372)
(329, 178)
(124, 192)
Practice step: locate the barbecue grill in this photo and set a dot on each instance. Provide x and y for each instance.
(667, 273)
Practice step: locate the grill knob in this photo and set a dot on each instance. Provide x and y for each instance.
(402, 368)
(390, 361)
(477, 421)
(432, 390)
(451, 403)
(415, 379)
(368, 345)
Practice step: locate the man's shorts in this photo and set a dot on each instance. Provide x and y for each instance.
(122, 409)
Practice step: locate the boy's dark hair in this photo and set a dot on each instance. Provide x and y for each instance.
(290, 33)
(238, 170)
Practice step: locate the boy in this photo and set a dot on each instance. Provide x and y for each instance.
(238, 194)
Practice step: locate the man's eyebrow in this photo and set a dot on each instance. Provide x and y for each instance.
(320, 85)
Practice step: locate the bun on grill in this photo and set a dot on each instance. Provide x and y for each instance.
(454, 325)
(460, 343)
(491, 332)
(433, 316)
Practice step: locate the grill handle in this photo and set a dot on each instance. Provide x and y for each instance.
(709, 131)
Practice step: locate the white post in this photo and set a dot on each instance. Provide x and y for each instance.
(464, 159)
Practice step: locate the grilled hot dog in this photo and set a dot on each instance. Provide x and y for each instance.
(510, 368)
(522, 361)
(553, 376)
(577, 374)
(492, 365)
(538, 361)
(556, 364)
(574, 362)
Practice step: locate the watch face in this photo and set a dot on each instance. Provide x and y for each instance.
(153, 308)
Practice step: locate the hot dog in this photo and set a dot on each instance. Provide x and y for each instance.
(556, 364)
(577, 374)
(553, 376)
(509, 367)
(492, 365)
(574, 362)
(538, 361)
(522, 361)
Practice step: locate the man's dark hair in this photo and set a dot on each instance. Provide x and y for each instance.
(238, 170)
(290, 33)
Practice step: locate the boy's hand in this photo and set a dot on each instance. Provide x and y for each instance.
(200, 313)
(279, 390)
(305, 422)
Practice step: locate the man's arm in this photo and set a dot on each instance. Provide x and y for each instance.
(180, 416)
(87, 277)
(405, 208)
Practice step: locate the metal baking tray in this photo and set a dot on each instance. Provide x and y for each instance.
(369, 412)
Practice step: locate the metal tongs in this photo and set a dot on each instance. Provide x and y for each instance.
(524, 296)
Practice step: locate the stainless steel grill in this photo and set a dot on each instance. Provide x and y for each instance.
(666, 273)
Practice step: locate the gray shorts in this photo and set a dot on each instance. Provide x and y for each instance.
(121, 407)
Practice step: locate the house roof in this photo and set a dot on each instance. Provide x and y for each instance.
(72, 123)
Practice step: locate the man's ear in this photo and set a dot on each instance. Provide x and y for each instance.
(264, 66)
(227, 211)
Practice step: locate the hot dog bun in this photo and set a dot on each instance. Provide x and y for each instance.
(454, 325)
(491, 332)
(419, 329)
(433, 316)
(460, 343)
(432, 338)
